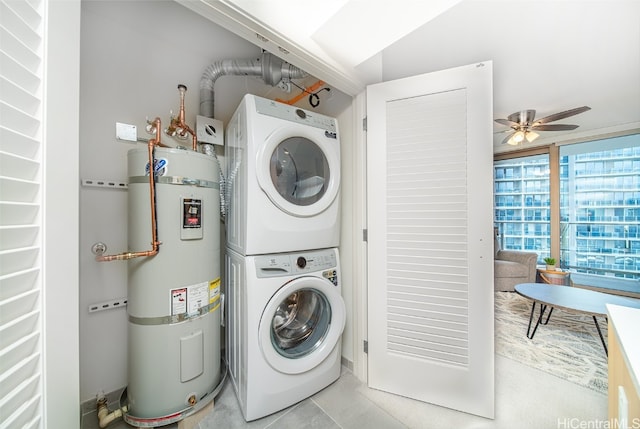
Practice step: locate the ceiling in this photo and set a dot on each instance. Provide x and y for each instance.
(548, 55)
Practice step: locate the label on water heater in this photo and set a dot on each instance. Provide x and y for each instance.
(191, 219)
(189, 300)
(214, 294)
(178, 301)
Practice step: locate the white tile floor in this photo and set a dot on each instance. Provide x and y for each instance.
(525, 398)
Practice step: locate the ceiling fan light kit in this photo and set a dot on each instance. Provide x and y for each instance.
(523, 125)
(519, 136)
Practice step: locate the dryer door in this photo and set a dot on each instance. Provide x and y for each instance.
(301, 324)
(299, 170)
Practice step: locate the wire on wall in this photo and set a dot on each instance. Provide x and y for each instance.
(312, 90)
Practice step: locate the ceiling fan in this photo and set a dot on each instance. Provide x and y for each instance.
(523, 125)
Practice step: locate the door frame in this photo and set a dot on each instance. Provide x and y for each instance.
(360, 312)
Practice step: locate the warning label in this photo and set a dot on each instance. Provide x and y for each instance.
(178, 301)
(198, 297)
(214, 294)
(190, 299)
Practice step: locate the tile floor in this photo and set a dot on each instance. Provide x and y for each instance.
(526, 398)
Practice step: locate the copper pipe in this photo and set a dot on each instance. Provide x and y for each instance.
(180, 124)
(155, 244)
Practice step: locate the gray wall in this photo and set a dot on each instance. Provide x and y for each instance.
(133, 56)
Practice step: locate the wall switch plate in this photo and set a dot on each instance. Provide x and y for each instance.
(209, 130)
(126, 132)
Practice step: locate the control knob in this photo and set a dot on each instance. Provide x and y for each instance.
(301, 262)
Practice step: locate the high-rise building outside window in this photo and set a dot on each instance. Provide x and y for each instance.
(521, 204)
(600, 211)
(599, 195)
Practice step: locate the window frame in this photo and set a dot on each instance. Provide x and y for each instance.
(555, 172)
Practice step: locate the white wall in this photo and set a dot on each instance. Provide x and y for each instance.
(133, 56)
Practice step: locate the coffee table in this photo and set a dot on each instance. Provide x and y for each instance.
(572, 299)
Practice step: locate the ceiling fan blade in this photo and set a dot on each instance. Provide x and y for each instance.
(562, 115)
(554, 127)
(506, 139)
(507, 122)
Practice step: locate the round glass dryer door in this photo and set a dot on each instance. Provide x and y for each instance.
(301, 324)
(300, 173)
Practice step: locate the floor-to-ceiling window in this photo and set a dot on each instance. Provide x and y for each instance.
(522, 205)
(598, 185)
(600, 211)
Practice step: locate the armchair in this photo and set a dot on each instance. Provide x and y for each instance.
(512, 267)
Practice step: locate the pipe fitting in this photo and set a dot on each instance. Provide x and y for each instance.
(105, 417)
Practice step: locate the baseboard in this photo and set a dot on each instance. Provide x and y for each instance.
(113, 400)
(347, 363)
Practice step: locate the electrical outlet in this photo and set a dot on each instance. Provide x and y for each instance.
(209, 130)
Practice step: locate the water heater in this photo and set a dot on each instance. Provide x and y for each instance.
(173, 296)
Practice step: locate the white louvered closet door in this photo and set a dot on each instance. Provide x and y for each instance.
(21, 68)
(430, 246)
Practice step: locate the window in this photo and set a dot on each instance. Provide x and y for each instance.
(522, 184)
(599, 209)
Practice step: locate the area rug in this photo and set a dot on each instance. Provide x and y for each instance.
(568, 347)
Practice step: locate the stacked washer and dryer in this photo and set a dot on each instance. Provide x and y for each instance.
(285, 308)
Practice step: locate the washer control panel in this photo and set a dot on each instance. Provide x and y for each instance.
(295, 263)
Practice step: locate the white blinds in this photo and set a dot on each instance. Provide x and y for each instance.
(21, 77)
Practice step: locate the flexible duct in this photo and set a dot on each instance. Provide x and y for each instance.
(272, 69)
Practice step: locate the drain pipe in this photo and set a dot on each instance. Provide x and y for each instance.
(105, 417)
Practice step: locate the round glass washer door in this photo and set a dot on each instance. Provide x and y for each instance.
(299, 171)
(301, 325)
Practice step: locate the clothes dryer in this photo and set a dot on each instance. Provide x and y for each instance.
(284, 326)
(283, 178)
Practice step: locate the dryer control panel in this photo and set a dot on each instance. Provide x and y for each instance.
(295, 114)
(282, 264)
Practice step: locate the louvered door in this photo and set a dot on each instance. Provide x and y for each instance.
(430, 263)
(20, 211)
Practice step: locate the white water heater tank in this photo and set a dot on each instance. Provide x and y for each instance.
(174, 296)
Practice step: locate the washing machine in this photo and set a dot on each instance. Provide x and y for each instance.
(283, 178)
(284, 326)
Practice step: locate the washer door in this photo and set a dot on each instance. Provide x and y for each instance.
(299, 170)
(301, 324)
